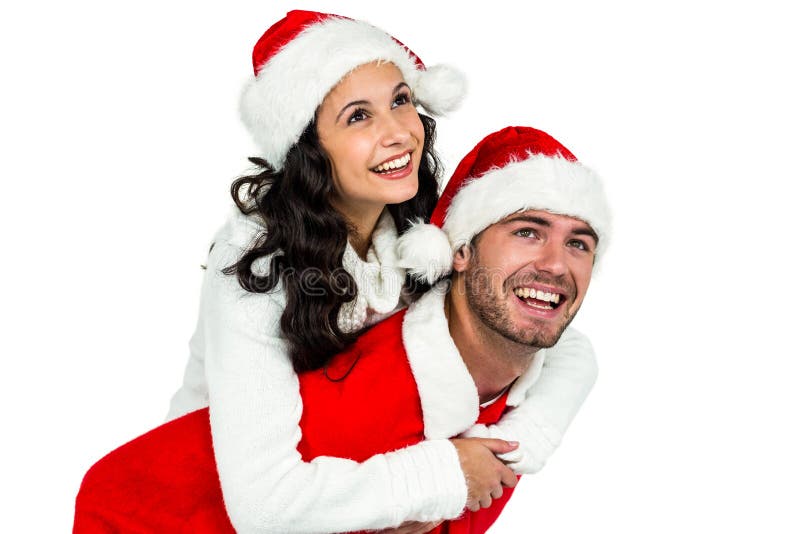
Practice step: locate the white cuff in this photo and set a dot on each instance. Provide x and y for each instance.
(523, 460)
(435, 487)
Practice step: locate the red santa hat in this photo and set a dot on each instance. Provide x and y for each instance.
(515, 169)
(304, 55)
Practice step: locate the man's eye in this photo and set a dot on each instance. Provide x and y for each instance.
(401, 99)
(526, 232)
(357, 115)
(577, 243)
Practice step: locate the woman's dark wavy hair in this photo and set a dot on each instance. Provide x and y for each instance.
(305, 238)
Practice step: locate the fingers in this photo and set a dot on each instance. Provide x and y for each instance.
(427, 527)
(497, 492)
(485, 501)
(410, 527)
(507, 477)
(416, 528)
(484, 472)
(420, 528)
(498, 446)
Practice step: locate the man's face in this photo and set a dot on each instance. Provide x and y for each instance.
(527, 275)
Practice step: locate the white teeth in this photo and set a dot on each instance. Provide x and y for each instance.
(394, 164)
(532, 305)
(529, 292)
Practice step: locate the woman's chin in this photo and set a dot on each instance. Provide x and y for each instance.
(402, 192)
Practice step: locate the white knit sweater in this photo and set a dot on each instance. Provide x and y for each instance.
(240, 368)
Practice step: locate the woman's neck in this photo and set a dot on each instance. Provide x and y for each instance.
(362, 223)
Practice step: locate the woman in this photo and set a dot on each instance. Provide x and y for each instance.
(307, 261)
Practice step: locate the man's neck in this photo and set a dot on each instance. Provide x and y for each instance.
(493, 360)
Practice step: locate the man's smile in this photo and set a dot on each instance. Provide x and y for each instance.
(543, 301)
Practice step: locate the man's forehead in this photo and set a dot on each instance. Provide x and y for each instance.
(546, 217)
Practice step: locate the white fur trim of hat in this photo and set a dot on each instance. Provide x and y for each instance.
(302, 57)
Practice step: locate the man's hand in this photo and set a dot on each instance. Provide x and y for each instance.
(411, 527)
(485, 473)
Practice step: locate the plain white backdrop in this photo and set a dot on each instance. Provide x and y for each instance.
(120, 137)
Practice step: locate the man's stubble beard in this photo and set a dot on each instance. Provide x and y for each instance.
(493, 309)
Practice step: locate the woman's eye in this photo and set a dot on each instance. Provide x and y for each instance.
(401, 99)
(357, 115)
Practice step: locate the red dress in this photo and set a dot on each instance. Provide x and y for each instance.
(366, 402)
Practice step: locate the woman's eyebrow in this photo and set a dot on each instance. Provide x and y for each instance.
(397, 88)
(349, 105)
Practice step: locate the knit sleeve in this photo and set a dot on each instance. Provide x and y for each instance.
(549, 404)
(255, 408)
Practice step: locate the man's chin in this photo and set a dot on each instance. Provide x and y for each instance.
(541, 336)
(542, 342)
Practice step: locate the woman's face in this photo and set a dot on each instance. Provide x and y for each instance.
(373, 136)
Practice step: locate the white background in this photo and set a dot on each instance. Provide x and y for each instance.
(120, 137)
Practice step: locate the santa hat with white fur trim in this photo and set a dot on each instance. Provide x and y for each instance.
(304, 55)
(515, 169)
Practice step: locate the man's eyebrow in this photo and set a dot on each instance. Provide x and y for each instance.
(587, 231)
(528, 219)
(366, 102)
(532, 219)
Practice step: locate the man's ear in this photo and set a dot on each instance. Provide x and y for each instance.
(462, 258)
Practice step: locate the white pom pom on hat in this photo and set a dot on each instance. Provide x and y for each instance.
(514, 169)
(300, 58)
(425, 251)
(441, 89)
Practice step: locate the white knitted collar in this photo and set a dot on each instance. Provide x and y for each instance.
(378, 279)
(449, 397)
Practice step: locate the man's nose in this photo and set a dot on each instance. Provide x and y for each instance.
(551, 258)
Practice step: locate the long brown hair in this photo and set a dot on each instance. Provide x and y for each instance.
(305, 240)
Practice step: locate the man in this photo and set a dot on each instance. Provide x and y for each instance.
(520, 225)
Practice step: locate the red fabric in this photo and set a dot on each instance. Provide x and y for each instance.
(496, 150)
(163, 481)
(364, 403)
(376, 408)
(480, 521)
(282, 32)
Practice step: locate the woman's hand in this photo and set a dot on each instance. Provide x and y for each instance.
(411, 527)
(485, 473)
